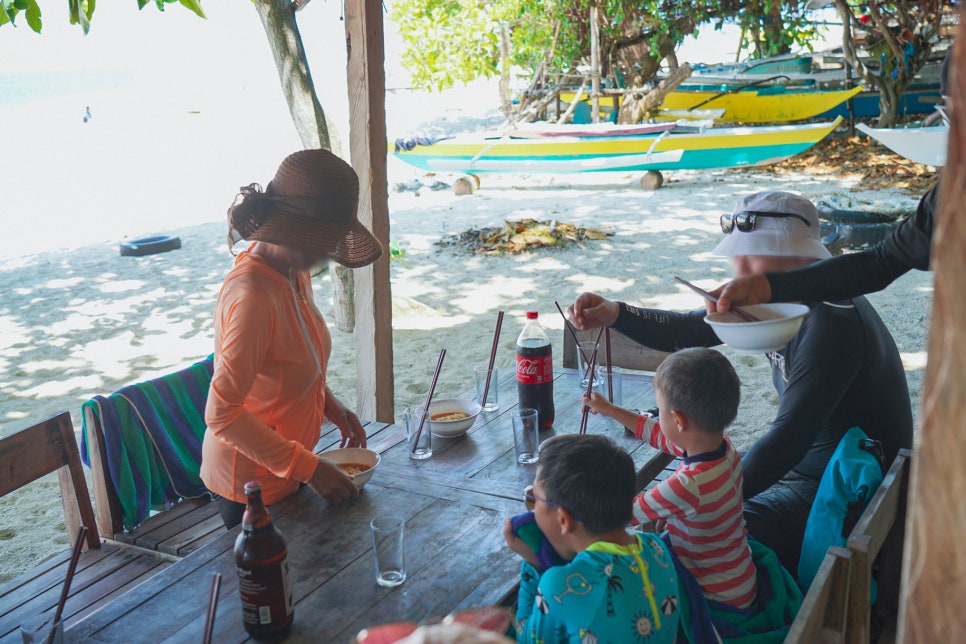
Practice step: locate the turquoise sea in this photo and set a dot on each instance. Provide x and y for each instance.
(19, 88)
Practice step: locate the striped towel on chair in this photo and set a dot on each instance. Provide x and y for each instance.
(152, 435)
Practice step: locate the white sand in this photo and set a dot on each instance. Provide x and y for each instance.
(76, 319)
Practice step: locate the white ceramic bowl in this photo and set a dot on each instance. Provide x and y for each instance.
(779, 324)
(358, 455)
(452, 428)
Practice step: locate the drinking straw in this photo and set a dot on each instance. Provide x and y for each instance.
(429, 398)
(590, 384)
(71, 568)
(489, 370)
(740, 312)
(610, 377)
(212, 607)
(573, 334)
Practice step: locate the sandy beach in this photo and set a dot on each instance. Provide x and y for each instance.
(77, 319)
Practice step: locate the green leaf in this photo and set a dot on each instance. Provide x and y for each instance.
(5, 17)
(195, 6)
(143, 3)
(33, 16)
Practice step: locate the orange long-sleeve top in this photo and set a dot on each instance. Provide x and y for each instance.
(266, 404)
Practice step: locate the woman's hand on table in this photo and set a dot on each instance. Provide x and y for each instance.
(591, 311)
(331, 483)
(353, 433)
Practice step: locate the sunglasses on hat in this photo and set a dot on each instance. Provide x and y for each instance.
(747, 221)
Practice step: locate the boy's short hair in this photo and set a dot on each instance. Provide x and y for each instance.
(591, 477)
(702, 385)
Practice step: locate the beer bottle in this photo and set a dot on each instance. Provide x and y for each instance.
(261, 560)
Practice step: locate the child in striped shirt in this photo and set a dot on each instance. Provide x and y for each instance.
(697, 397)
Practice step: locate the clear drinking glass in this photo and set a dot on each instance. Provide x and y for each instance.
(612, 382)
(37, 629)
(585, 351)
(525, 434)
(389, 549)
(424, 441)
(492, 402)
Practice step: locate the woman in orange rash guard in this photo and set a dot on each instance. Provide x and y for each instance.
(268, 396)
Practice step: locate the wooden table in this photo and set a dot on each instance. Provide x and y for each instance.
(454, 504)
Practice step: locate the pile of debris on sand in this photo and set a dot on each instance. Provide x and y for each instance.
(521, 236)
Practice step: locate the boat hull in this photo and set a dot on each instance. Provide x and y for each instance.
(926, 145)
(712, 148)
(761, 106)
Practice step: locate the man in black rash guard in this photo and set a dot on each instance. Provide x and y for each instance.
(852, 275)
(841, 370)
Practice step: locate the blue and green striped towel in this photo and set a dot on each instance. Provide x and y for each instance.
(152, 435)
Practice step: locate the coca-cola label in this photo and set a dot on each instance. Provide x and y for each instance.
(534, 370)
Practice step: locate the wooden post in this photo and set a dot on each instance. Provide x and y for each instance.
(934, 563)
(594, 66)
(367, 152)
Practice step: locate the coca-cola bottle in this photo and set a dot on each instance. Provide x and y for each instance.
(535, 370)
(261, 560)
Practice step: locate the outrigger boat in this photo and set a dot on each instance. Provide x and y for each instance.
(772, 104)
(680, 148)
(926, 145)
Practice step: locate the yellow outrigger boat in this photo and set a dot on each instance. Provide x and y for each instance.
(772, 104)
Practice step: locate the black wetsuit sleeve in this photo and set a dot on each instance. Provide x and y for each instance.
(822, 362)
(665, 330)
(848, 276)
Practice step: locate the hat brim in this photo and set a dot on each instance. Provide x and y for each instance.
(348, 243)
(737, 244)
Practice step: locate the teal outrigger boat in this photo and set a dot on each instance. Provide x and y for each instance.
(681, 148)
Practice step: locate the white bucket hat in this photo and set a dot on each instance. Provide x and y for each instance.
(771, 233)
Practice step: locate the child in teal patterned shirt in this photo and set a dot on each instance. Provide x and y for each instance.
(618, 586)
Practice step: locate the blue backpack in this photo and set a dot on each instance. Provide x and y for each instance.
(851, 478)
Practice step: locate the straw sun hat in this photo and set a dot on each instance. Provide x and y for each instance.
(310, 205)
(780, 228)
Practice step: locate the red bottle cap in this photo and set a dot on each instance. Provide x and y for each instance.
(531, 315)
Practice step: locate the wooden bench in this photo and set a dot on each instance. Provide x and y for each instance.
(625, 353)
(104, 570)
(822, 617)
(878, 538)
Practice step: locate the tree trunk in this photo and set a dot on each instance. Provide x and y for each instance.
(314, 128)
(633, 110)
(934, 564)
(889, 93)
(504, 86)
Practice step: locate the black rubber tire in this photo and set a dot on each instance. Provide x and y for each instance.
(149, 245)
(854, 216)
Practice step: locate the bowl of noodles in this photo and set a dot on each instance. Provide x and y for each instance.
(776, 325)
(452, 417)
(359, 463)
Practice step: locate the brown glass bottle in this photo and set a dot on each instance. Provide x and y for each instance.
(261, 560)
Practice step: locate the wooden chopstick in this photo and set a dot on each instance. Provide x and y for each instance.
(737, 310)
(71, 569)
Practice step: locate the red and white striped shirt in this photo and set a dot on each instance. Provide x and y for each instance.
(702, 505)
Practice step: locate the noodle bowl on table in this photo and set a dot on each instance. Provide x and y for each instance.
(452, 417)
(358, 462)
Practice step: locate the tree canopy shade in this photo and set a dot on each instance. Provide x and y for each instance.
(449, 41)
(81, 11)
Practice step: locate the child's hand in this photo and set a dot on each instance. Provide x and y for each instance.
(517, 545)
(597, 403)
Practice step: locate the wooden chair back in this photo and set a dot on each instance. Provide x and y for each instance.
(823, 615)
(625, 353)
(109, 513)
(50, 446)
(879, 530)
